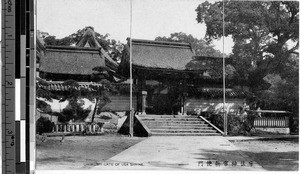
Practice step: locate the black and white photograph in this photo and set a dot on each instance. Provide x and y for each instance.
(167, 85)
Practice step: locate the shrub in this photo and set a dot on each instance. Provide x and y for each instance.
(237, 124)
(43, 106)
(44, 125)
(70, 113)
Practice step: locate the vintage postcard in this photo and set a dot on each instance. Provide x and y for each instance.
(167, 85)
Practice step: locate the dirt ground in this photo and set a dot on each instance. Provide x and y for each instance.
(273, 155)
(85, 152)
(80, 152)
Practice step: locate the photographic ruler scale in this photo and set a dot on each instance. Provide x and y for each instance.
(18, 85)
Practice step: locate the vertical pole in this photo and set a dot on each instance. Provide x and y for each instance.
(130, 50)
(224, 74)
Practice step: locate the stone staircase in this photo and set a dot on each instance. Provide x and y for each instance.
(176, 125)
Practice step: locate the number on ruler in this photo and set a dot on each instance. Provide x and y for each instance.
(9, 83)
(9, 6)
(9, 132)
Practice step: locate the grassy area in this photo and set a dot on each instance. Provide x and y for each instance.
(273, 155)
(80, 152)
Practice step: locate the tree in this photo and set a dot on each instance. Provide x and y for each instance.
(264, 27)
(201, 47)
(284, 91)
(41, 92)
(261, 31)
(102, 76)
(73, 93)
(102, 90)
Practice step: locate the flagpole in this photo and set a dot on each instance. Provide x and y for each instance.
(131, 119)
(224, 74)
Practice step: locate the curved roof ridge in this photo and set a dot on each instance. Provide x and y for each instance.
(158, 43)
(60, 47)
(88, 37)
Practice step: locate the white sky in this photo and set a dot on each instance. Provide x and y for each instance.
(151, 18)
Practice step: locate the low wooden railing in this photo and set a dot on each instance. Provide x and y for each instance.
(76, 128)
(274, 122)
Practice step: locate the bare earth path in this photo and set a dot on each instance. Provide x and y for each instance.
(182, 153)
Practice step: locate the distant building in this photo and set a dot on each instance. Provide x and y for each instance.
(173, 80)
(60, 63)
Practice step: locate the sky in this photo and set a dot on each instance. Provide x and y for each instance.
(150, 18)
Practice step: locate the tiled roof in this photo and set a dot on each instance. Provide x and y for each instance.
(169, 56)
(59, 86)
(70, 60)
(157, 54)
(216, 93)
(76, 60)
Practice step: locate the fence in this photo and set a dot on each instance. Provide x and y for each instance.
(76, 128)
(275, 122)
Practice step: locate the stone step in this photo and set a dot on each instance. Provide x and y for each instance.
(171, 119)
(182, 131)
(178, 125)
(151, 124)
(168, 116)
(186, 134)
(174, 121)
(205, 127)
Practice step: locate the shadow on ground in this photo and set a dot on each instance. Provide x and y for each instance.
(271, 161)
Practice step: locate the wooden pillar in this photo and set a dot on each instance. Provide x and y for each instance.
(144, 102)
(141, 83)
(183, 92)
(182, 106)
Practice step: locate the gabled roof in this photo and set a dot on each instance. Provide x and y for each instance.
(154, 57)
(70, 60)
(78, 60)
(158, 54)
(88, 39)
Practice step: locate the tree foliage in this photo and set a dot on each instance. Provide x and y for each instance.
(201, 47)
(260, 29)
(266, 37)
